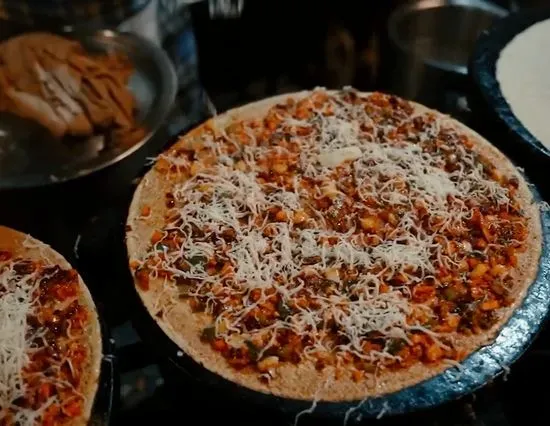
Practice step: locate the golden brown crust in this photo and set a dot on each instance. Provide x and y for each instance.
(303, 381)
(27, 247)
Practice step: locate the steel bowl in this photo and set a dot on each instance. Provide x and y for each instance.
(430, 42)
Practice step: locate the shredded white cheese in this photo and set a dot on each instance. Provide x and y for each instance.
(229, 197)
(16, 304)
(19, 340)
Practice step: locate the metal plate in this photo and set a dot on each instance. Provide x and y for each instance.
(30, 157)
(483, 72)
(477, 370)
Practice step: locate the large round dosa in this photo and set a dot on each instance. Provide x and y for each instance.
(27, 247)
(303, 381)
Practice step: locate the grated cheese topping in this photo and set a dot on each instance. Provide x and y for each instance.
(340, 224)
(15, 305)
(32, 361)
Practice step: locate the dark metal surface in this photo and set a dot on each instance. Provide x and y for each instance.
(107, 396)
(58, 213)
(483, 72)
(477, 370)
(30, 157)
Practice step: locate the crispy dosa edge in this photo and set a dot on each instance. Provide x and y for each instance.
(303, 381)
(13, 241)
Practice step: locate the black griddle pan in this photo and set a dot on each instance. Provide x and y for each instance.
(487, 99)
(480, 368)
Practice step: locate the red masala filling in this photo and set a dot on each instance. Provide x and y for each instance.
(363, 263)
(56, 342)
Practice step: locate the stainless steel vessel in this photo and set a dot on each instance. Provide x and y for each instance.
(431, 42)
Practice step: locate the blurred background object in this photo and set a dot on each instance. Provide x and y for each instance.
(225, 8)
(280, 46)
(524, 4)
(430, 42)
(416, 48)
(166, 23)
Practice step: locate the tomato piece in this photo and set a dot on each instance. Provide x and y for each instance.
(72, 408)
(4, 255)
(64, 291)
(142, 277)
(44, 391)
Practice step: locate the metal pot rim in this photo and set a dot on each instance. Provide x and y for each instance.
(414, 6)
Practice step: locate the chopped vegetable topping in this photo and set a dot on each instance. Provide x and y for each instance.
(43, 343)
(341, 228)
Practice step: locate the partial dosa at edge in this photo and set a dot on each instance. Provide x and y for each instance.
(29, 249)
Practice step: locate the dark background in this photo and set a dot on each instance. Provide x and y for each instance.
(287, 45)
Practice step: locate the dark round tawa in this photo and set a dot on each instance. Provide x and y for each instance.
(478, 369)
(31, 157)
(483, 73)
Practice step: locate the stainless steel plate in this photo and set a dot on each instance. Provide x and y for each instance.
(31, 157)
